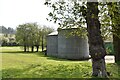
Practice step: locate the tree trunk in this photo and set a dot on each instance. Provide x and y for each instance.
(42, 43)
(24, 48)
(116, 43)
(32, 48)
(96, 45)
(37, 46)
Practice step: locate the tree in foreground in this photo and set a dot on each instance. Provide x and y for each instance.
(96, 44)
(75, 14)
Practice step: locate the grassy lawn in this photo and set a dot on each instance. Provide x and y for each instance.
(17, 64)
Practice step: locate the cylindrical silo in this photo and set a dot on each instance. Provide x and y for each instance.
(73, 46)
(52, 44)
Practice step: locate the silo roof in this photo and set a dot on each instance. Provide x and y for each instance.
(53, 33)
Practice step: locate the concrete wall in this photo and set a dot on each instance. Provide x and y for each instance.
(72, 47)
(52, 45)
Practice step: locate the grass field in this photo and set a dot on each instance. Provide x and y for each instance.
(17, 64)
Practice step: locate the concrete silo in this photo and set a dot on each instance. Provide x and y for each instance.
(73, 46)
(52, 44)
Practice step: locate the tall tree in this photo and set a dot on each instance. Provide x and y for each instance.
(22, 36)
(33, 29)
(73, 14)
(38, 38)
(45, 31)
(96, 46)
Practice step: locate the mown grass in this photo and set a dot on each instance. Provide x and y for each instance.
(17, 64)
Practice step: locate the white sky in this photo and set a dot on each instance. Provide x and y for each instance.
(15, 12)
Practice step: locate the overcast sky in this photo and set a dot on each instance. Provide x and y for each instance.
(15, 12)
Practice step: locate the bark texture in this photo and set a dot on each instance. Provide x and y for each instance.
(37, 46)
(25, 48)
(116, 43)
(32, 48)
(96, 45)
(42, 43)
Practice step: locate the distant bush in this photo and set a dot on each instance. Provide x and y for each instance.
(5, 41)
(109, 48)
(9, 44)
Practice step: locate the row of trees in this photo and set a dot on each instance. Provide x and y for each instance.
(32, 35)
(75, 13)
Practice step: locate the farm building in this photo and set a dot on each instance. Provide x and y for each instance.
(52, 44)
(66, 44)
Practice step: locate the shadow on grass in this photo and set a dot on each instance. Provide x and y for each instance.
(13, 52)
(42, 54)
(56, 59)
(17, 52)
(63, 59)
(39, 54)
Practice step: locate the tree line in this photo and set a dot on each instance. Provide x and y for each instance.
(4, 30)
(32, 35)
